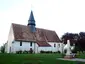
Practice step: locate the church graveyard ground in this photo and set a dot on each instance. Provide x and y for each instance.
(36, 59)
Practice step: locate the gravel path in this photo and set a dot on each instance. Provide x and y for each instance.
(74, 59)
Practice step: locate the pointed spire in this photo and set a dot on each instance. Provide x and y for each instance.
(31, 19)
(31, 22)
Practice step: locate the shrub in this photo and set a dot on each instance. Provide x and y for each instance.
(45, 51)
(55, 52)
(25, 52)
(58, 52)
(19, 52)
(2, 49)
(31, 50)
(41, 51)
(48, 51)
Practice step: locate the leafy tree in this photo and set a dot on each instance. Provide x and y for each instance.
(2, 49)
(77, 39)
(70, 36)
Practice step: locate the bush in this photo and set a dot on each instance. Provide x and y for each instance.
(45, 51)
(48, 51)
(25, 52)
(2, 49)
(58, 52)
(22, 52)
(31, 51)
(41, 51)
(19, 52)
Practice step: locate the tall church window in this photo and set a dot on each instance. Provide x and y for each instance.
(30, 43)
(20, 43)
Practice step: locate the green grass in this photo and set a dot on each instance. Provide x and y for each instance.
(33, 59)
(81, 55)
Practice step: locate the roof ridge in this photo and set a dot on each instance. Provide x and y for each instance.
(46, 29)
(36, 27)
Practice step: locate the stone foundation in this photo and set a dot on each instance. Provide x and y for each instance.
(68, 57)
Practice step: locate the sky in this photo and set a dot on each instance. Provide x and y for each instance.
(59, 15)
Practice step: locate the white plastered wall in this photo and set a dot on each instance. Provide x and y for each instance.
(10, 39)
(52, 48)
(56, 48)
(25, 46)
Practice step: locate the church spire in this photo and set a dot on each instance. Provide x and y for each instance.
(31, 22)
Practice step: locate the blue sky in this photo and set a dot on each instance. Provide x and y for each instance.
(59, 15)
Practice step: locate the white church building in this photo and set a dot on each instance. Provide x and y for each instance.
(26, 37)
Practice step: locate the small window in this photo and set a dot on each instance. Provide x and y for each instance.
(20, 43)
(54, 45)
(30, 43)
(12, 41)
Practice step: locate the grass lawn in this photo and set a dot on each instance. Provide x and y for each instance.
(81, 55)
(33, 59)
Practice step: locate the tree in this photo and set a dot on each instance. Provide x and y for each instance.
(77, 39)
(70, 36)
(81, 41)
(2, 49)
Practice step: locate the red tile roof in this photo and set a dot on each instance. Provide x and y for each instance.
(41, 36)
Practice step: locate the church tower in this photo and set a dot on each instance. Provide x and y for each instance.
(31, 22)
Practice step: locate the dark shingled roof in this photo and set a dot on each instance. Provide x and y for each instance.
(41, 36)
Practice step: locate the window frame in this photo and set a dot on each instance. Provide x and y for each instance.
(30, 43)
(20, 43)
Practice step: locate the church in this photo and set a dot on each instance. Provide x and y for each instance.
(29, 37)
